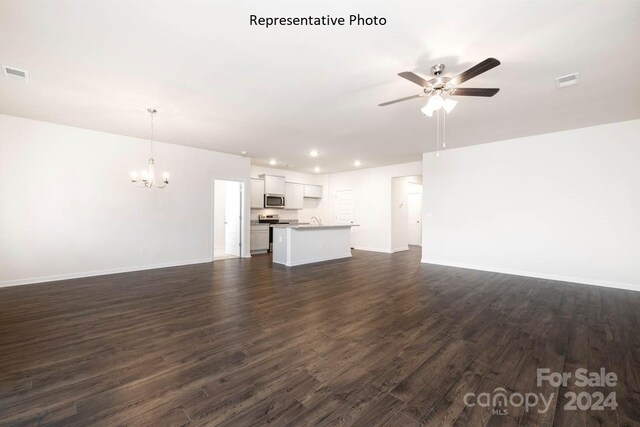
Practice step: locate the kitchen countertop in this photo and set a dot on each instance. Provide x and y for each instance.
(308, 226)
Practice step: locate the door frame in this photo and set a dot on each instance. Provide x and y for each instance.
(241, 187)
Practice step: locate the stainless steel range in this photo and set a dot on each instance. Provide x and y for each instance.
(274, 219)
(271, 219)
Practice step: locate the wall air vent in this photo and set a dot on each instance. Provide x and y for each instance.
(15, 74)
(568, 80)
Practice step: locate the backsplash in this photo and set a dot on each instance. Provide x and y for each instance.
(283, 213)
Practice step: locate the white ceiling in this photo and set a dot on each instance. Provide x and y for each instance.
(279, 92)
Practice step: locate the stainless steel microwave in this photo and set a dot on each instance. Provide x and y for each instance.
(273, 201)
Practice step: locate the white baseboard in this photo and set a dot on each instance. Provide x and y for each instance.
(57, 277)
(384, 251)
(314, 260)
(364, 248)
(571, 279)
(400, 249)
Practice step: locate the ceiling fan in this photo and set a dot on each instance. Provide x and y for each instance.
(440, 87)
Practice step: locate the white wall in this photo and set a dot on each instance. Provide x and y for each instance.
(68, 209)
(399, 227)
(564, 205)
(219, 215)
(312, 207)
(372, 205)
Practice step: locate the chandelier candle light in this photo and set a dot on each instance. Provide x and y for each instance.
(147, 178)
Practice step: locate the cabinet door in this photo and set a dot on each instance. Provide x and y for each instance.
(313, 191)
(257, 193)
(274, 184)
(259, 240)
(288, 195)
(293, 195)
(298, 196)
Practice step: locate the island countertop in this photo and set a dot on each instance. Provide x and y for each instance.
(307, 226)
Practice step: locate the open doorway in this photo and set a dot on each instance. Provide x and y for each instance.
(406, 212)
(227, 219)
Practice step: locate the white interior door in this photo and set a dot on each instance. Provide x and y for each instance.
(414, 215)
(345, 210)
(232, 218)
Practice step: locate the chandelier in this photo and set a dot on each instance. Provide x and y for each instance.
(147, 178)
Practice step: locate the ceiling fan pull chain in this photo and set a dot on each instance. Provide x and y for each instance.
(438, 133)
(444, 130)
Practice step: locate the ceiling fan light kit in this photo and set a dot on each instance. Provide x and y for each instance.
(437, 102)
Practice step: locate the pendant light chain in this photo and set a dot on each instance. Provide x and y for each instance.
(152, 114)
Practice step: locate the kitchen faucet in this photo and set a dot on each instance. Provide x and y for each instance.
(317, 220)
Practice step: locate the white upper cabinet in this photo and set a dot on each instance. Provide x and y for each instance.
(313, 191)
(273, 184)
(257, 193)
(293, 195)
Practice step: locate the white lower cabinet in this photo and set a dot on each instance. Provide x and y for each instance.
(259, 236)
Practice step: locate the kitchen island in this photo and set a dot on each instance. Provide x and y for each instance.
(297, 244)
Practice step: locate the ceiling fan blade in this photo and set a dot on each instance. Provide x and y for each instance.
(414, 78)
(399, 100)
(474, 91)
(476, 70)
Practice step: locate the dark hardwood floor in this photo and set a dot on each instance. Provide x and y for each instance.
(374, 340)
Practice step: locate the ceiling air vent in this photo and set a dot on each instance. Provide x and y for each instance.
(15, 74)
(568, 80)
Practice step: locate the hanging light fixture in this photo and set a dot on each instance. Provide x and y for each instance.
(440, 88)
(449, 104)
(437, 102)
(147, 178)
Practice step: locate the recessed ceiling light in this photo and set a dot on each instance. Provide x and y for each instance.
(314, 153)
(316, 169)
(272, 162)
(357, 163)
(244, 153)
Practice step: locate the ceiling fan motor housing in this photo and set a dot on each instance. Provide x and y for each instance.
(437, 69)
